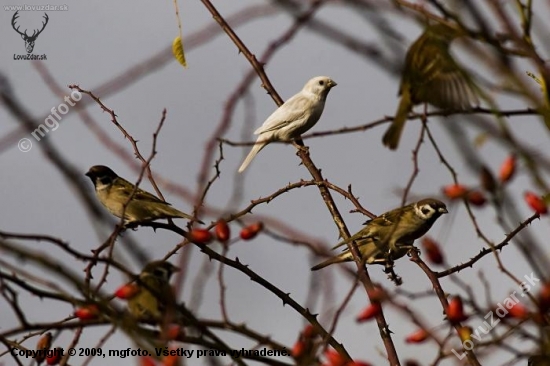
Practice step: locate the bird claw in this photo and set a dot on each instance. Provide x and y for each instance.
(389, 265)
(130, 225)
(411, 249)
(389, 270)
(301, 147)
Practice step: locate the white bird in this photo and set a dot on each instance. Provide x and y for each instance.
(296, 116)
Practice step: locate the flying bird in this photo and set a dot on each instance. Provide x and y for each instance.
(431, 75)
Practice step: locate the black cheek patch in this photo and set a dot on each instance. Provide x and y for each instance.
(105, 180)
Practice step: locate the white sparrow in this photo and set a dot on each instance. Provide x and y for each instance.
(113, 192)
(391, 235)
(155, 297)
(296, 116)
(430, 75)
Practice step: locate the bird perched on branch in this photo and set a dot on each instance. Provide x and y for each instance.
(155, 297)
(296, 116)
(431, 75)
(391, 235)
(113, 192)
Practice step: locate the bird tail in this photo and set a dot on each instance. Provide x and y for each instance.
(393, 134)
(255, 150)
(344, 257)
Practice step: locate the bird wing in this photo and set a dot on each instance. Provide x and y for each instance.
(126, 188)
(455, 90)
(385, 220)
(360, 235)
(442, 82)
(389, 218)
(296, 108)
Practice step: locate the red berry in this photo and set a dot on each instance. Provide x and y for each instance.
(433, 252)
(87, 312)
(507, 169)
(536, 203)
(173, 331)
(304, 348)
(476, 198)
(455, 310)
(518, 311)
(358, 363)
(334, 358)
(488, 181)
(171, 359)
(250, 231)
(377, 294)
(544, 297)
(223, 233)
(54, 356)
(455, 191)
(127, 291)
(146, 361)
(201, 236)
(299, 349)
(417, 337)
(44, 344)
(369, 312)
(309, 331)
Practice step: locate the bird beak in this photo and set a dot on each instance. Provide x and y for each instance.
(443, 210)
(332, 83)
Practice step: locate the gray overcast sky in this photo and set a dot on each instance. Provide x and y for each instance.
(94, 42)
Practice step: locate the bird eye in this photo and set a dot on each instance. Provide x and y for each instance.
(321, 82)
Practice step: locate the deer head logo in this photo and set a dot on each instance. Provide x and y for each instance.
(29, 40)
